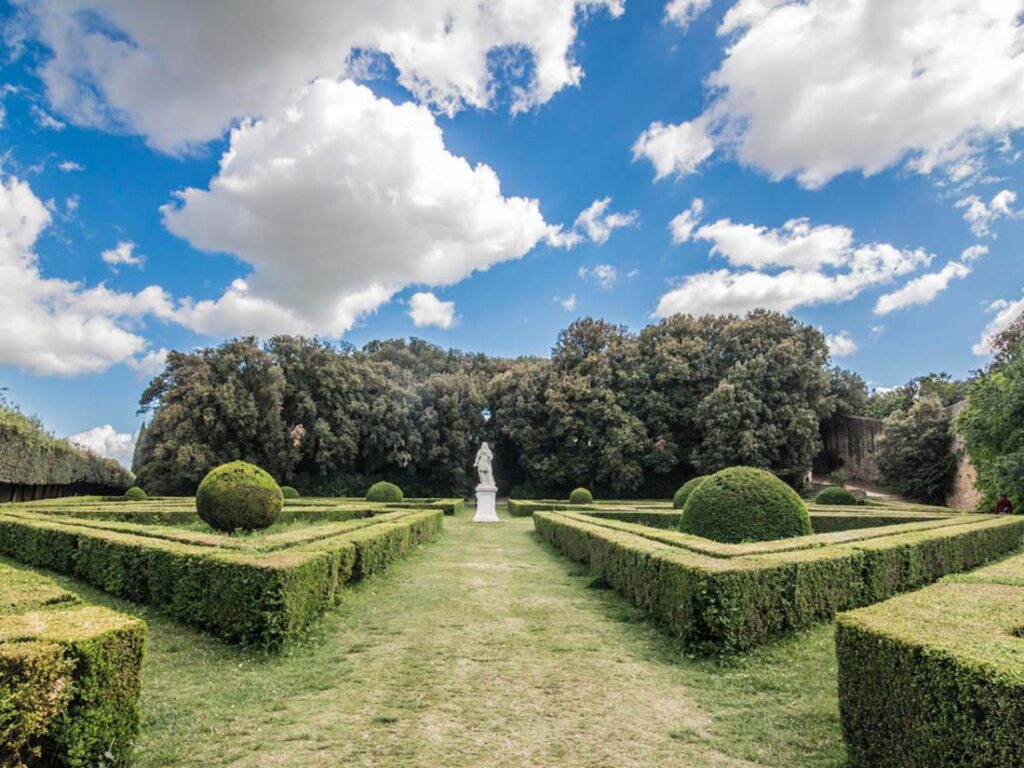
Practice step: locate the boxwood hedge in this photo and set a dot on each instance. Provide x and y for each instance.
(936, 677)
(730, 597)
(69, 676)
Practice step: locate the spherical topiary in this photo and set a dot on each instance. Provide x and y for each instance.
(744, 504)
(384, 491)
(836, 495)
(581, 496)
(679, 500)
(135, 494)
(238, 496)
(288, 492)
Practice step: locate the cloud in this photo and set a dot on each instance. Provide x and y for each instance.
(818, 88)
(337, 202)
(107, 441)
(980, 216)
(795, 265)
(921, 290)
(52, 326)
(150, 364)
(604, 274)
(683, 12)
(683, 224)
(122, 254)
(427, 309)
(181, 73)
(568, 303)
(45, 120)
(70, 165)
(841, 344)
(1005, 313)
(592, 224)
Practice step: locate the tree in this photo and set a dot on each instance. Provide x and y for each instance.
(847, 391)
(915, 452)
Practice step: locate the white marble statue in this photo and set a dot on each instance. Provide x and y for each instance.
(483, 460)
(486, 491)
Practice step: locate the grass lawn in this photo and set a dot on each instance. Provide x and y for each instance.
(485, 648)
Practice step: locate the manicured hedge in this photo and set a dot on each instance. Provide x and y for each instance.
(69, 676)
(680, 496)
(836, 495)
(226, 585)
(936, 678)
(720, 597)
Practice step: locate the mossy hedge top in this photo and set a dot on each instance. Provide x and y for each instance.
(745, 504)
(384, 492)
(836, 496)
(238, 495)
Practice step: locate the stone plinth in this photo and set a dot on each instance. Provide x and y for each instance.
(485, 508)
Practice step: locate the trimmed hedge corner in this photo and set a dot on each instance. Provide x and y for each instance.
(69, 676)
(581, 496)
(384, 492)
(836, 495)
(680, 497)
(744, 504)
(936, 677)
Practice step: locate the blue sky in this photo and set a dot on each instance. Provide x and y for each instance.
(880, 162)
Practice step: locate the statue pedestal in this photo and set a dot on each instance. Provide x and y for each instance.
(485, 509)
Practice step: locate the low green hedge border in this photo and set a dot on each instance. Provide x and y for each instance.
(724, 604)
(936, 677)
(69, 676)
(258, 598)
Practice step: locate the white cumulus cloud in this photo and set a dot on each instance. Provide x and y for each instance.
(595, 223)
(682, 225)
(923, 289)
(568, 303)
(605, 275)
(683, 12)
(107, 441)
(337, 202)
(426, 309)
(841, 344)
(795, 265)
(122, 254)
(180, 73)
(817, 88)
(981, 215)
(1005, 312)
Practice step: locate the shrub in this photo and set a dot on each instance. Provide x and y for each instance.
(581, 496)
(135, 494)
(288, 492)
(744, 504)
(384, 492)
(679, 500)
(836, 496)
(238, 495)
(915, 451)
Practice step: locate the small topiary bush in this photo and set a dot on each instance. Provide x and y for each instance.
(835, 495)
(581, 496)
(239, 495)
(135, 494)
(744, 504)
(384, 491)
(679, 500)
(288, 492)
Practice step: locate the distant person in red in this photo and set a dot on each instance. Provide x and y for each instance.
(1003, 506)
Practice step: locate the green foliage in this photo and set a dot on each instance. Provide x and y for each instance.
(835, 495)
(238, 496)
(31, 456)
(915, 451)
(992, 426)
(744, 504)
(581, 496)
(240, 593)
(69, 676)
(135, 494)
(942, 386)
(289, 493)
(933, 678)
(680, 496)
(847, 391)
(384, 492)
(744, 595)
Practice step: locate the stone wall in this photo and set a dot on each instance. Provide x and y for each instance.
(848, 444)
(962, 494)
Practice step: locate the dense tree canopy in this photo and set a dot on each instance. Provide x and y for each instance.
(915, 450)
(617, 412)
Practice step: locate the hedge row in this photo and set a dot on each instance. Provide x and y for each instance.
(69, 676)
(31, 456)
(721, 603)
(262, 598)
(936, 678)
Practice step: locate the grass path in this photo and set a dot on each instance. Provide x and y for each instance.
(484, 649)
